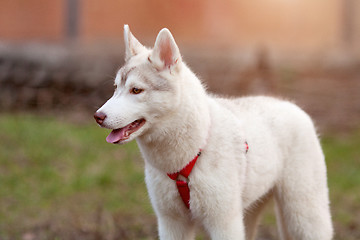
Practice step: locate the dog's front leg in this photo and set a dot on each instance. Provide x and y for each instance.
(174, 221)
(171, 228)
(219, 205)
(226, 228)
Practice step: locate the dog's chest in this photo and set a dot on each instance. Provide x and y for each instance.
(214, 179)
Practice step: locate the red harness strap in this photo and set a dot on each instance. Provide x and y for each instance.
(183, 186)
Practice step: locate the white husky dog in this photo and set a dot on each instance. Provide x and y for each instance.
(211, 161)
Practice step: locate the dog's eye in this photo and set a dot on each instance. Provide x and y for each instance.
(136, 90)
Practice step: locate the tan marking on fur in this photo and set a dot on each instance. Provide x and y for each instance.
(125, 74)
(162, 86)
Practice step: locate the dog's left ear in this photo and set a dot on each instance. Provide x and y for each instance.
(132, 45)
(165, 54)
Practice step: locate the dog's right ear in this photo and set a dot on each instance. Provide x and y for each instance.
(132, 45)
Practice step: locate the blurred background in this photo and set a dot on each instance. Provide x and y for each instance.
(59, 179)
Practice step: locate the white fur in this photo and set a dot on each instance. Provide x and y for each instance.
(229, 187)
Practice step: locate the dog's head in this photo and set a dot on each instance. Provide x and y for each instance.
(147, 88)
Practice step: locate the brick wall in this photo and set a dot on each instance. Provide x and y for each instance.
(280, 24)
(283, 24)
(32, 20)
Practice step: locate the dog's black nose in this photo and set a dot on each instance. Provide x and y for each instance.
(99, 117)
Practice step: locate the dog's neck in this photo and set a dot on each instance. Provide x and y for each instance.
(173, 144)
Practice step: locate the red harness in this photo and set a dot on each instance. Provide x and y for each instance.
(183, 186)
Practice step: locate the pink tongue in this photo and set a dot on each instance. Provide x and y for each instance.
(116, 135)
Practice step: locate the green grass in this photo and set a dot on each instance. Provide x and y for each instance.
(343, 162)
(50, 169)
(61, 180)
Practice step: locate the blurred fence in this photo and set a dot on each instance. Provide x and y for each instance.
(53, 77)
(44, 77)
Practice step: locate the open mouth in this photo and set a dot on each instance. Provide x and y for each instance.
(121, 134)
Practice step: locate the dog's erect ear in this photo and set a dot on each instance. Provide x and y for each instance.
(165, 54)
(132, 45)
